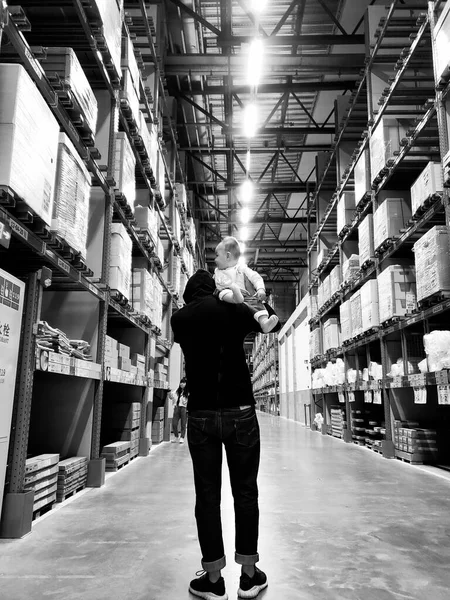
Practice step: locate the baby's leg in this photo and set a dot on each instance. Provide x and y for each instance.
(233, 294)
(267, 323)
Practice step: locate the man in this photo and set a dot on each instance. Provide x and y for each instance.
(221, 410)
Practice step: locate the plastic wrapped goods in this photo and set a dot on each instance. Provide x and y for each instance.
(120, 265)
(389, 219)
(350, 267)
(356, 314)
(315, 343)
(331, 335)
(384, 142)
(426, 185)
(111, 14)
(63, 63)
(437, 349)
(369, 305)
(346, 321)
(365, 237)
(396, 291)
(335, 280)
(375, 371)
(124, 168)
(432, 256)
(72, 191)
(345, 211)
(362, 178)
(28, 141)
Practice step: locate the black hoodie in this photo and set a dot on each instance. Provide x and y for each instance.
(211, 334)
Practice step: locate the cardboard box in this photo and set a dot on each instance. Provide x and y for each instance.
(120, 280)
(124, 364)
(124, 168)
(365, 240)
(362, 176)
(426, 185)
(315, 343)
(396, 291)
(123, 351)
(389, 219)
(369, 305)
(331, 334)
(346, 320)
(111, 15)
(356, 314)
(335, 280)
(432, 258)
(384, 142)
(350, 267)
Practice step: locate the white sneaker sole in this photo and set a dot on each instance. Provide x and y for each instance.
(252, 592)
(208, 595)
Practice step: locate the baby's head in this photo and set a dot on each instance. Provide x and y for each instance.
(228, 253)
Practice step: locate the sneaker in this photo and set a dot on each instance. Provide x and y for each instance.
(249, 587)
(174, 439)
(181, 440)
(204, 588)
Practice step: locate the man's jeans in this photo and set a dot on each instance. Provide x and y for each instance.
(238, 430)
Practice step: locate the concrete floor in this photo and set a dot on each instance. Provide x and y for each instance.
(337, 522)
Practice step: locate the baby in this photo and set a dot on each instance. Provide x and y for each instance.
(232, 281)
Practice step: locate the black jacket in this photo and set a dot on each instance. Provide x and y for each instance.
(211, 334)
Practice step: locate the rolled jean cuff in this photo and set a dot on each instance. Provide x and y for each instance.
(216, 565)
(260, 313)
(246, 559)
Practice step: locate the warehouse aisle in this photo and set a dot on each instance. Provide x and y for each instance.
(337, 522)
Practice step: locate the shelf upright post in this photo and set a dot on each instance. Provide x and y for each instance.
(145, 440)
(387, 444)
(3, 17)
(17, 513)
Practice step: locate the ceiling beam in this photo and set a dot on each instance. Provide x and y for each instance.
(272, 255)
(296, 40)
(259, 220)
(262, 188)
(270, 88)
(196, 16)
(253, 244)
(223, 151)
(321, 130)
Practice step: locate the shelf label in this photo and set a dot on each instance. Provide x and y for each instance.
(341, 397)
(64, 266)
(437, 309)
(444, 394)
(377, 397)
(368, 398)
(18, 229)
(351, 396)
(420, 395)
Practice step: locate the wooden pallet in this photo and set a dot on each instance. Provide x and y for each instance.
(67, 495)
(433, 299)
(385, 246)
(122, 201)
(416, 458)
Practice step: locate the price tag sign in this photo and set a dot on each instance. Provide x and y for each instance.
(444, 394)
(377, 397)
(351, 396)
(420, 395)
(368, 398)
(341, 397)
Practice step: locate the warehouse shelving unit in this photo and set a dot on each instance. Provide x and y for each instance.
(400, 79)
(67, 408)
(265, 375)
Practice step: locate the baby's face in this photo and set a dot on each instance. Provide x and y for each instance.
(222, 257)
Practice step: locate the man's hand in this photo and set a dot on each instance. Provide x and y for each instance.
(261, 295)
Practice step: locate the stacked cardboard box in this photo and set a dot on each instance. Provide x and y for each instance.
(362, 178)
(396, 291)
(72, 192)
(28, 141)
(432, 257)
(157, 301)
(120, 265)
(41, 475)
(345, 211)
(314, 343)
(331, 334)
(346, 320)
(426, 185)
(161, 369)
(111, 352)
(72, 476)
(126, 422)
(335, 280)
(369, 305)
(142, 292)
(389, 219)
(365, 240)
(337, 421)
(116, 455)
(350, 268)
(356, 314)
(385, 142)
(158, 426)
(138, 361)
(420, 445)
(124, 168)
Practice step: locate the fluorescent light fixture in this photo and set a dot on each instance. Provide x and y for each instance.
(258, 6)
(250, 123)
(243, 235)
(245, 215)
(246, 191)
(247, 161)
(255, 62)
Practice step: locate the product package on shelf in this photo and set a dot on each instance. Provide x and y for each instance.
(124, 168)
(345, 211)
(147, 219)
(111, 353)
(437, 349)
(157, 301)
(350, 268)
(41, 476)
(120, 265)
(418, 444)
(180, 194)
(362, 176)
(313, 303)
(129, 97)
(345, 320)
(337, 421)
(72, 476)
(369, 305)
(331, 334)
(432, 258)
(28, 141)
(389, 219)
(426, 185)
(62, 67)
(116, 454)
(142, 292)
(129, 63)
(335, 280)
(385, 142)
(396, 291)
(314, 343)
(365, 240)
(356, 314)
(111, 14)
(55, 340)
(72, 192)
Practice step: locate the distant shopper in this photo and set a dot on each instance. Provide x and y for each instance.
(237, 283)
(221, 408)
(180, 400)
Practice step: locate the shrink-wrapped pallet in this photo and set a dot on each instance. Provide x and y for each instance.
(426, 185)
(365, 240)
(120, 263)
(28, 141)
(369, 305)
(71, 204)
(124, 168)
(385, 142)
(432, 257)
(345, 211)
(314, 343)
(142, 292)
(389, 219)
(331, 334)
(350, 268)
(396, 291)
(335, 280)
(129, 62)
(356, 314)
(362, 176)
(111, 14)
(63, 64)
(346, 320)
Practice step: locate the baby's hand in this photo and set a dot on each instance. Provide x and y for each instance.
(261, 295)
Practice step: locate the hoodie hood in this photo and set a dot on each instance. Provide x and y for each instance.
(199, 285)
